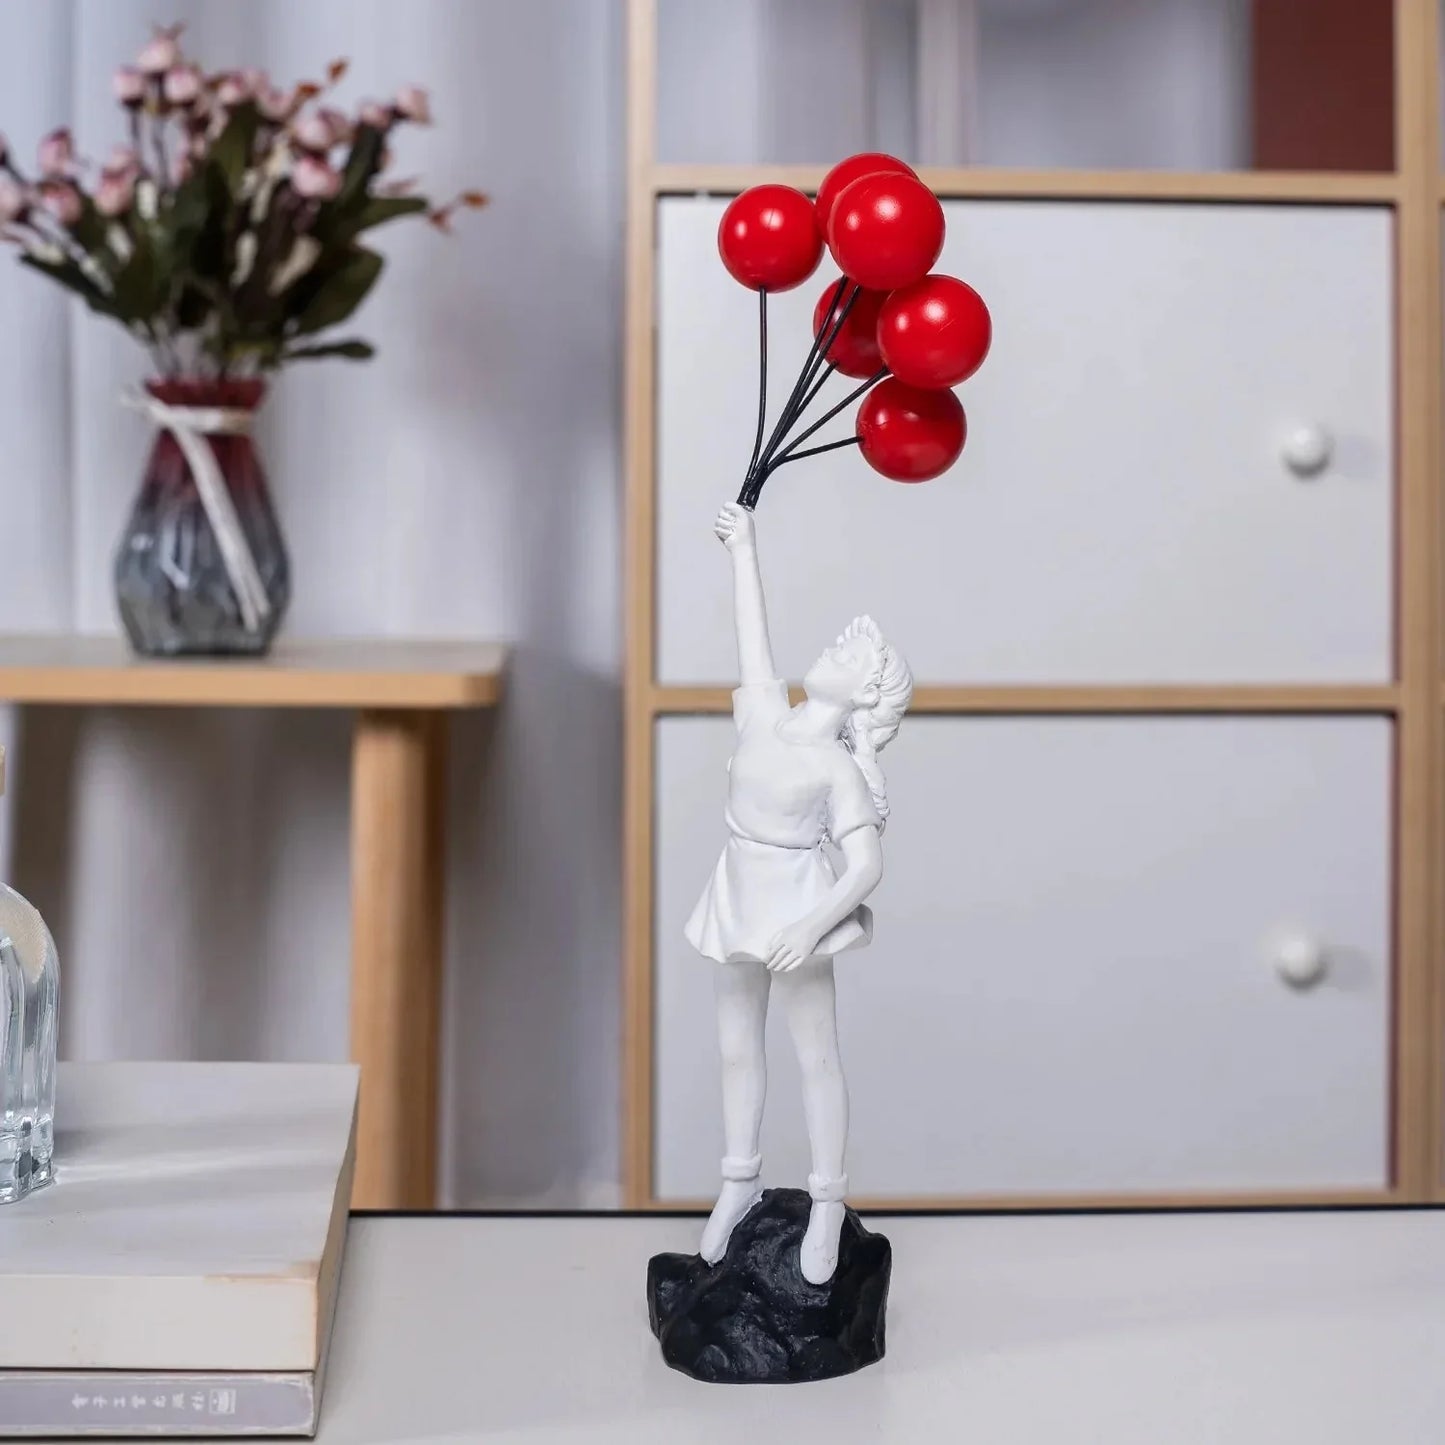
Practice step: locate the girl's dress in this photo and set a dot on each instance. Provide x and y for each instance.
(787, 800)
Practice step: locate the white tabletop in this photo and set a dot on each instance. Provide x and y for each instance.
(1156, 1329)
(1305, 1328)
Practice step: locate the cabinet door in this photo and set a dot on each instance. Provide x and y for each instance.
(1123, 510)
(1073, 985)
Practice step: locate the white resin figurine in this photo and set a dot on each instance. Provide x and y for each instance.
(804, 786)
(29, 987)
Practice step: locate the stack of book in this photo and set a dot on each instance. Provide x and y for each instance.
(180, 1275)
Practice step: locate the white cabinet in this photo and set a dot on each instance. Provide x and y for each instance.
(1075, 983)
(1125, 509)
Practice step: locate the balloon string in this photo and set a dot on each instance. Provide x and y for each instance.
(762, 389)
(823, 338)
(836, 319)
(801, 395)
(785, 420)
(793, 456)
(817, 387)
(827, 417)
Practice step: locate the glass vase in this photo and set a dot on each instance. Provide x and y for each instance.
(175, 588)
(29, 995)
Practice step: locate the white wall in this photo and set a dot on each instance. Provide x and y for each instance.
(465, 484)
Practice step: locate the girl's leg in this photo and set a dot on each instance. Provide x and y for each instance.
(808, 997)
(742, 1013)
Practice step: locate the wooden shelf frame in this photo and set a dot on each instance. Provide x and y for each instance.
(102, 672)
(1414, 700)
(1090, 701)
(1419, 1026)
(1323, 188)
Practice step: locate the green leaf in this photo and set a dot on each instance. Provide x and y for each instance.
(186, 214)
(208, 255)
(337, 290)
(380, 209)
(139, 291)
(232, 150)
(89, 231)
(69, 275)
(335, 228)
(361, 165)
(350, 350)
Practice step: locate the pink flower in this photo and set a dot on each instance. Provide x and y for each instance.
(56, 154)
(312, 133)
(314, 179)
(233, 88)
(180, 167)
(14, 199)
(414, 104)
(116, 191)
(159, 53)
(340, 123)
(128, 85)
(376, 115)
(122, 160)
(273, 102)
(182, 85)
(62, 201)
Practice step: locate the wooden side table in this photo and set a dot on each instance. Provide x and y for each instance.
(401, 693)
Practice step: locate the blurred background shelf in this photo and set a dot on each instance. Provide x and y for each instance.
(102, 671)
(401, 693)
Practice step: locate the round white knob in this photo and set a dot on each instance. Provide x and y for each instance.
(1306, 450)
(1300, 960)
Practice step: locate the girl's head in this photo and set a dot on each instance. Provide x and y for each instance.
(863, 673)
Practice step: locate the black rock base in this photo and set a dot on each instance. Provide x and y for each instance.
(752, 1318)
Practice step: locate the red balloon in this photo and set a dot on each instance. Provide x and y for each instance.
(910, 435)
(886, 231)
(935, 332)
(865, 163)
(854, 351)
(769, 238)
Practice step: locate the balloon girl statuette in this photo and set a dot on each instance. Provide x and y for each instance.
(785, 1285)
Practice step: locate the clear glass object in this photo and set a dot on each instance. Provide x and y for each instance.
(29, 994)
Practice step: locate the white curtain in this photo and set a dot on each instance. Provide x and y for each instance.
(465, 484)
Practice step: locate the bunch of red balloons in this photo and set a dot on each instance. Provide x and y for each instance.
(884, 228)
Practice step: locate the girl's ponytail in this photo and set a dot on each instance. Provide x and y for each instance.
(870, 729)
(866, 756)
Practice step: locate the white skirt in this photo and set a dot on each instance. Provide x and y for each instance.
(758, 889)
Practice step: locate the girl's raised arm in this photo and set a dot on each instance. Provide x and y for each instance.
(734, 527)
